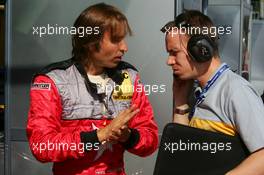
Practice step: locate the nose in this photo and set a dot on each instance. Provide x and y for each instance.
(171, 60)
(123, 46)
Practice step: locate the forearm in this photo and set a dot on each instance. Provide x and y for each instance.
(253, 165)
(147, 142)
(52, 146)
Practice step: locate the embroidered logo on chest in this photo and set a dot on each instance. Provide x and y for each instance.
(125, 90)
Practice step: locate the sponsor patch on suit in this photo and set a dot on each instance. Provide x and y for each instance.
(40, 86)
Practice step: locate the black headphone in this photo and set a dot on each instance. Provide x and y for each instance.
(200, 47)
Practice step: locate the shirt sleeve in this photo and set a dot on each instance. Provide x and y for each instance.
(247, 113)
(145, 128)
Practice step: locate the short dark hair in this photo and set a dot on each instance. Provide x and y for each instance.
(106, 18)
(193, 18)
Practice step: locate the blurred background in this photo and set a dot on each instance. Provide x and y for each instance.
(22, 53)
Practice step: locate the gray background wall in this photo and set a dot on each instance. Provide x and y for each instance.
(257, 63)
(30, 52)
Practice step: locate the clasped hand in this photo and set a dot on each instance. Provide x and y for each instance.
(117, 130)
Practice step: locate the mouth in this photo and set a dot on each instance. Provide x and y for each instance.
(175, 69)
(118, 58)
(175, 72)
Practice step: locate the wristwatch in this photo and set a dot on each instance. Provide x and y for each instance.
(184, 109)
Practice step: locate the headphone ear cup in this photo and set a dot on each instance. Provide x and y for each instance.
(200, 48)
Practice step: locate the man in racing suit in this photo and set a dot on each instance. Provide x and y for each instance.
(86, 111)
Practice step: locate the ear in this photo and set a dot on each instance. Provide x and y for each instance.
(95, 47)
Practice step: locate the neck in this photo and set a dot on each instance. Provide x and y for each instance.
(93, 69)
(213, 66)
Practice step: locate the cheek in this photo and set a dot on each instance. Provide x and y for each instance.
(188, 64)
(110, 51)
(183, 59)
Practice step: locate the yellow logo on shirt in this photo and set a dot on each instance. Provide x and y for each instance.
(125, 90)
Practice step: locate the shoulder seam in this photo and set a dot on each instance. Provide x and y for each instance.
(62, 65)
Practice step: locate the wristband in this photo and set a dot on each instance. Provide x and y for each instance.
(183, 109)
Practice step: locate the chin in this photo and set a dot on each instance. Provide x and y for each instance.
(182, 77)
(187, 77)
(112, 65)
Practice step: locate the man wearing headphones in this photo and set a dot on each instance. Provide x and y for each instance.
(226, 103)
